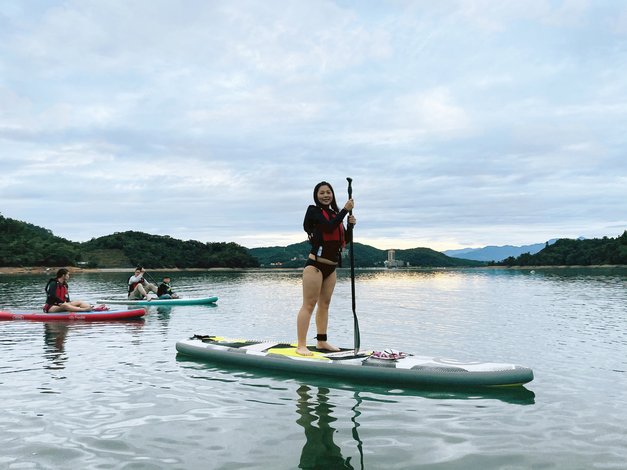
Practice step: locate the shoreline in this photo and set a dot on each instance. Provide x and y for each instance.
(78, 270)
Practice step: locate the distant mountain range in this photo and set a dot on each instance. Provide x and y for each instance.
(497, 253)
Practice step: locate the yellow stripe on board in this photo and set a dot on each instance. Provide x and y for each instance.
(222, 339)
(292, 352)
(283, 351)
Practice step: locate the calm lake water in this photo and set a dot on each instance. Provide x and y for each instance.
(116, 396)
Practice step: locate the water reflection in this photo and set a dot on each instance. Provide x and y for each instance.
(55, 335)
(315, 415)
(163, 314)
(320, 451)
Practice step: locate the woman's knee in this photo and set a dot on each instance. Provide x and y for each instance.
(308, 306)
(324, 304)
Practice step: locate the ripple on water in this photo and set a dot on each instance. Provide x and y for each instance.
(116, 396)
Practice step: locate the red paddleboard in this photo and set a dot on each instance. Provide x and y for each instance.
(75, 316)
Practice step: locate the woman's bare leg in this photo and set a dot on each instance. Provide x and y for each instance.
(312, 283)
(322, 312)
(75, 306)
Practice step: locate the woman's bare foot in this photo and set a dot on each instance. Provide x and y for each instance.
(303, 351)
(326, 346)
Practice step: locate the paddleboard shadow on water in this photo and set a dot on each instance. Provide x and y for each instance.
(518, 395)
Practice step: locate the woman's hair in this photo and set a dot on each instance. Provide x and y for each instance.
(62, 272)
(315, 196)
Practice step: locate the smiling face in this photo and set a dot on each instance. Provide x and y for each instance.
(325, 195)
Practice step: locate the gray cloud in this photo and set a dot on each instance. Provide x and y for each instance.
(461, 122)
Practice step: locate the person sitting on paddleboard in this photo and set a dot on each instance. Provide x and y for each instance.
(138, 287)
(324, 226)
(58, 295)
(165, 291)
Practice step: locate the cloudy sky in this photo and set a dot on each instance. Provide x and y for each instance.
(463, 123)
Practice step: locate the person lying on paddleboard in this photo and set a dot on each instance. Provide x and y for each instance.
(138, 287)
(165, 291)
(325, 230)
(58, 295)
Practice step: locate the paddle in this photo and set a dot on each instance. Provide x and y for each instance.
(352, 259)
(150, 278)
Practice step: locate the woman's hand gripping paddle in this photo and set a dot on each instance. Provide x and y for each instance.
(352, 259)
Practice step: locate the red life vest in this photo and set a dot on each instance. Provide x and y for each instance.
(62, 292)
(57, 296)
(132, 286)
(335, 235)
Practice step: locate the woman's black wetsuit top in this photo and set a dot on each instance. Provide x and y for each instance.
(319, 227)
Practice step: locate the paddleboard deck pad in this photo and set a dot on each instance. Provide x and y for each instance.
(75, 316)
(197, 301)
(382, 367)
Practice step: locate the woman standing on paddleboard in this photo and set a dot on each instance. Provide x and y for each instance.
(324, 226)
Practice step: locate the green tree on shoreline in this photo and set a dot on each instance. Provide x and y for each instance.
(23, 244)
(569, 252)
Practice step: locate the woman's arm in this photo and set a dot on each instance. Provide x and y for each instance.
(316, 217)
(133, 279)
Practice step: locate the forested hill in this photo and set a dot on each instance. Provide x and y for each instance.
(568, 252)
(156, 251)
(23, 244)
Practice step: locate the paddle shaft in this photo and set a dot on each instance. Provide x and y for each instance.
(150, 278)
(352, 260)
